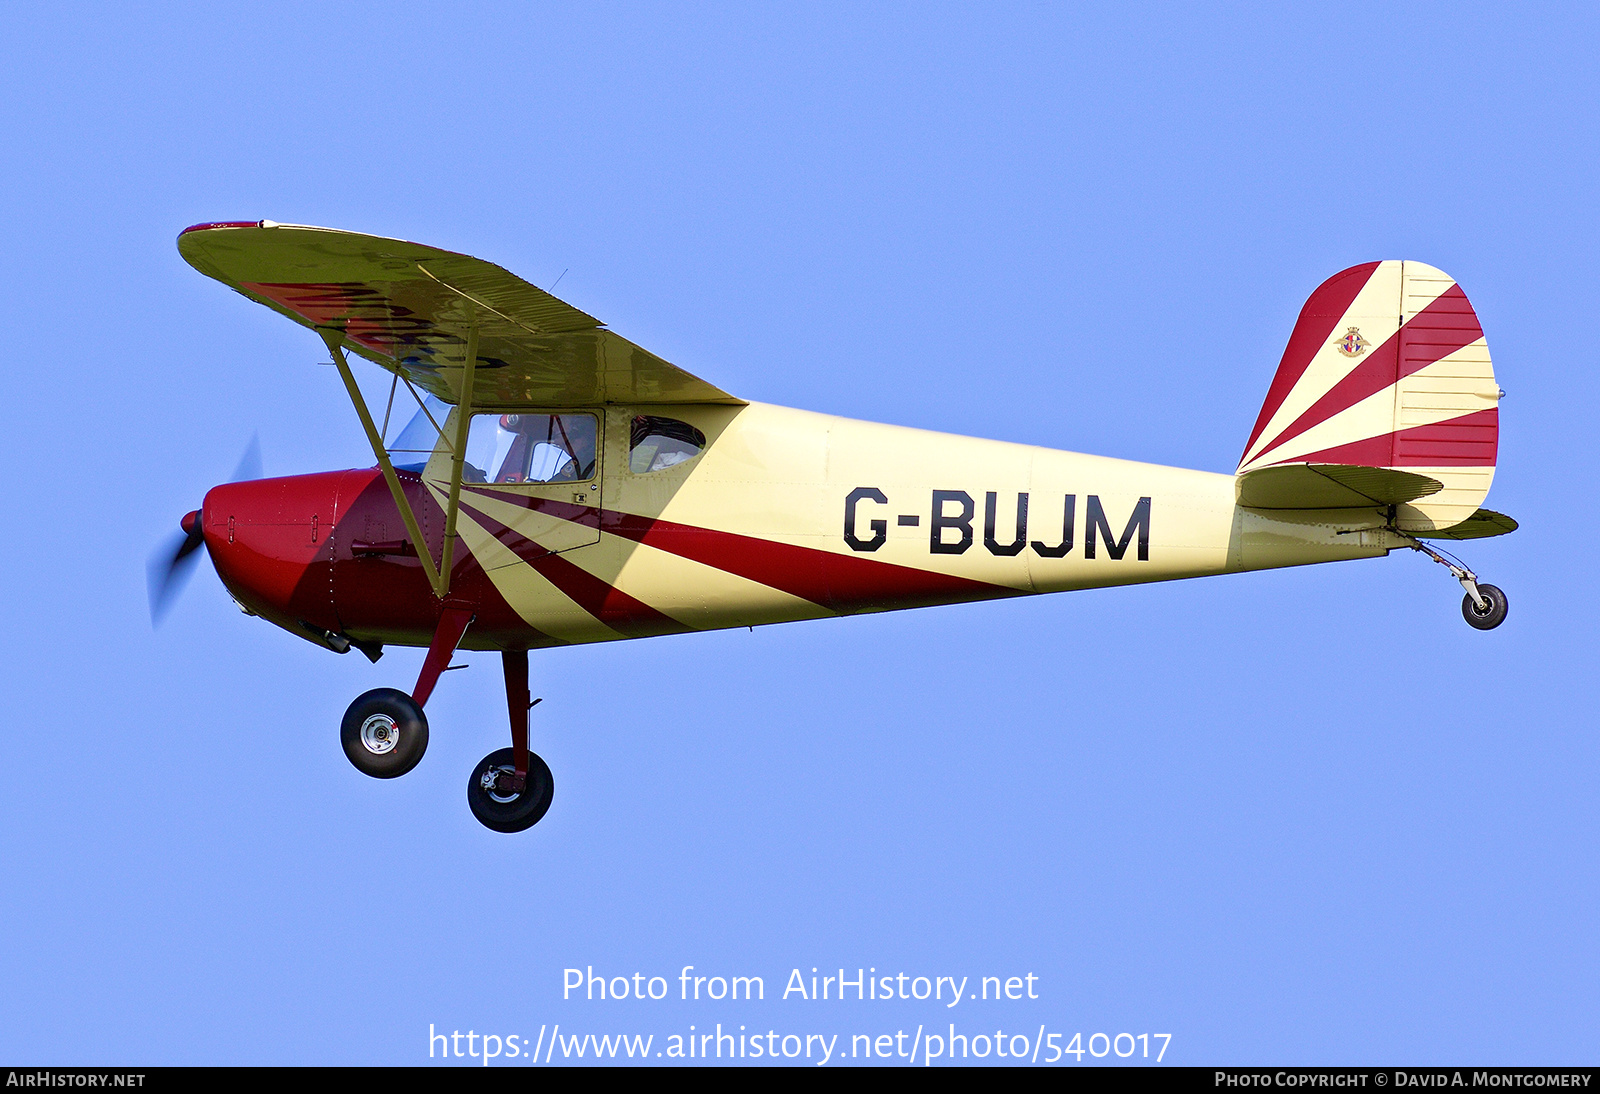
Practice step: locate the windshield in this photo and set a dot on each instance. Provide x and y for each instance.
(410, 449)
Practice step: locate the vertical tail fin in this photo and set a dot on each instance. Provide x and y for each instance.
(1387, 368)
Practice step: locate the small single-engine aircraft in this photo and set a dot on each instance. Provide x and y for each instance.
(554, 483)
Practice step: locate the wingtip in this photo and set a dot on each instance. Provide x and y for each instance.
(210, 224)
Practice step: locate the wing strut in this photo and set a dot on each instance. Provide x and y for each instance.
(440, 587)
(463, 423)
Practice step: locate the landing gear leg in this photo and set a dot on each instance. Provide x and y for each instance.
(1484, 606)
(452, 625)
(511, 788)
(384, 732)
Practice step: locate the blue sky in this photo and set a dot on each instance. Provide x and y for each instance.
(1301, 817)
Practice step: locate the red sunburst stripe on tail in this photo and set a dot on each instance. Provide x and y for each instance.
(1443, 327)
(1468, 441)
(1312, 330)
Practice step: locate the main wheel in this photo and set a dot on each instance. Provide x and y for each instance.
(494, 803)
(384, 733)
(1493, 612)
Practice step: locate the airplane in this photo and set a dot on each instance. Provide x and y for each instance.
(542, 481)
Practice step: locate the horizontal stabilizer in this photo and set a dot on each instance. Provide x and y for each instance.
(1331, 486)
(1481, 525)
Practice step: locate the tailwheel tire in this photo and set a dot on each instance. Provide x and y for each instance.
(1493, 612)
(384, 733)
(496, 805)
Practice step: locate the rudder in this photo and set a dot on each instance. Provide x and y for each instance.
(1386, 369)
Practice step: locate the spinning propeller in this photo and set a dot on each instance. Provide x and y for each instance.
(170, 566)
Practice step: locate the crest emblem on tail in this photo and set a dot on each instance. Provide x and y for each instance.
(1352, 344)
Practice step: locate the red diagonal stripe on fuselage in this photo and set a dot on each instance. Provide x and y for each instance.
(1435, 332)
(1312, 330)
(607, 603)
(841, 583)
(610, 605)
(586, 515)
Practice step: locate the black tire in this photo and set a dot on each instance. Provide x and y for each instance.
(1492, 614)
(384, 733)
(514, 814)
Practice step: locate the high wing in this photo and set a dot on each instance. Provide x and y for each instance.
(415, 310)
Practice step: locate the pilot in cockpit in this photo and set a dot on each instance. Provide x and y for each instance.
(548, 448)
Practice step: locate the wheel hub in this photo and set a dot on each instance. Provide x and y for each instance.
(380, 734)
(497, 782)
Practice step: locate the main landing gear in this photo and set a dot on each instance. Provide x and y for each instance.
(510, 789)
(1484, 606)
(385, 733)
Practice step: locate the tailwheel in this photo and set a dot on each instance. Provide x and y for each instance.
(1488, 614)
(1484, 606)
(499, 802)
(384, 733)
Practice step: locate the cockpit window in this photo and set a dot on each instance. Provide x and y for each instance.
(522, 447)
(504, 448)
(655, 444)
